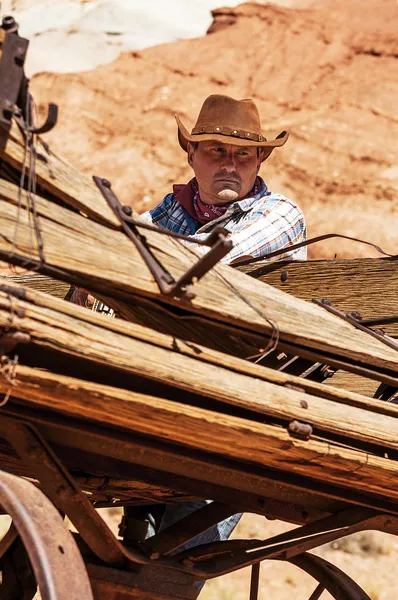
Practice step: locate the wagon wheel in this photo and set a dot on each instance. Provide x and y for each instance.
(330, 578)
(38, 532)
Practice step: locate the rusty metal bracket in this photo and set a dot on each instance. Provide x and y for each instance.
(13, 82)
(217, 241)
(219, 558)
(355, 320)
(15, 99)
(51, 548)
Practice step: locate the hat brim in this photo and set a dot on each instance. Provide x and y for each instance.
(184, 137)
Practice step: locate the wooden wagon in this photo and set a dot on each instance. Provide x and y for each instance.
(209, 384)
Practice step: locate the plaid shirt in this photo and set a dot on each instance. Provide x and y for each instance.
(257, 225)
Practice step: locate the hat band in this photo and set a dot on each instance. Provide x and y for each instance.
(221, 130)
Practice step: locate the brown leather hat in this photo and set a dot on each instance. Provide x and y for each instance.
(230, 121)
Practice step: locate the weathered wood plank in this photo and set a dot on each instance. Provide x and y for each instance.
(58, 177)
(36, 281)
(226, 435)
(192, 380)
(105, 261)
(365, 285)
(200, 353)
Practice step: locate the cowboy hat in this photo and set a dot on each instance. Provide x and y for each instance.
(224, 119)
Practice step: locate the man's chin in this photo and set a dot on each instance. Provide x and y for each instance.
(227, 195)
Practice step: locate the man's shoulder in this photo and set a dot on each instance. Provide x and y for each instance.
(274, 200)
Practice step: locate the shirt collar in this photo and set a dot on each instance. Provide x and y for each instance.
(184, 194)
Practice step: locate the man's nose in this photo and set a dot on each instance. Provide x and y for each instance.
(228, 161)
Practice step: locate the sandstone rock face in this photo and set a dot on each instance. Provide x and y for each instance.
(327, 74)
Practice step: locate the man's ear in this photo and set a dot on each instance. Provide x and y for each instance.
(191, 151)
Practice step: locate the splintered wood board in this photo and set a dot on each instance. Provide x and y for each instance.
(365, 285)
(105, 260)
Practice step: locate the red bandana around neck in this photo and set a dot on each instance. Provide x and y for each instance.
(188, 196)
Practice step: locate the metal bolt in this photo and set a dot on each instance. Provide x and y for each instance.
(284, 276)
(106, 183)
(301, 430)
(326, 302)
(356, 315)
(304, 404)
(8, 22)
(127, 210)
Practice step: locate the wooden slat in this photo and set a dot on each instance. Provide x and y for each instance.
(365, 285)
(226, 435)
(36, 281)
(59, 178)
(106, 261)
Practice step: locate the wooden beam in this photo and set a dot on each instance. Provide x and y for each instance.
(58, 177)
(210, 431)
(365, 285)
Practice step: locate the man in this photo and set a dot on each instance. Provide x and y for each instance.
(225, 150)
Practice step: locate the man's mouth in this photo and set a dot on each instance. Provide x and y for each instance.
(226, 180)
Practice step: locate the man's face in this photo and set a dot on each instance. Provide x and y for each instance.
(224, 172)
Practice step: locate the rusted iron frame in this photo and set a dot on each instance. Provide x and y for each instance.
(331, 578)
(217, 241)
(237, 554)
(108, 582)
(326, 304)
(51, 548)
(15, 99)
(13, 83)
(291, 544)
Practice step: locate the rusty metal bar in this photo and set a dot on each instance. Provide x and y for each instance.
(317, 593)
(54, 556)
(254, 581)
(217, 241)
(283, 546)
(326, 304)
(12, 76)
